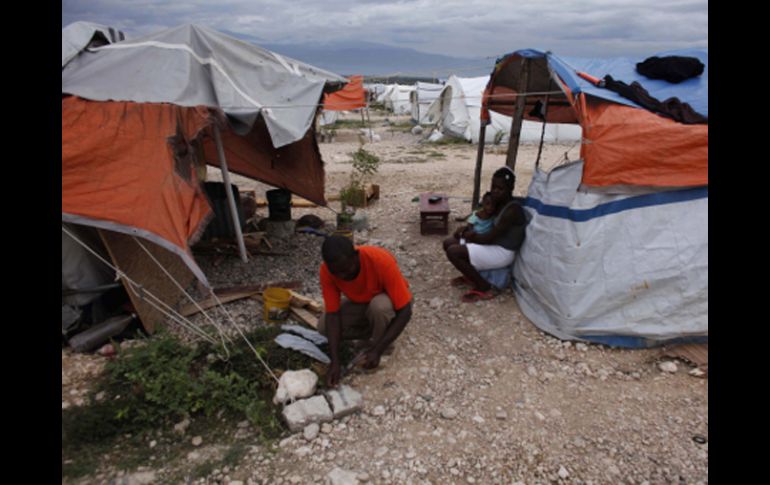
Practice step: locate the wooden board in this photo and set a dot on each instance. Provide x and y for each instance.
(130, 258)
(227, 295)
(696, 354)
(301, 301)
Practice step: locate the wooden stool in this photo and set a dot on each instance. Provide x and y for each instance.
(434, 216)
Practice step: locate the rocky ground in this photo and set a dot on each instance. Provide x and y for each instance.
(473, 393)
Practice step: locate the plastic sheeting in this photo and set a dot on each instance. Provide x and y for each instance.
(604, 267)
(191, 66)
(289, 341)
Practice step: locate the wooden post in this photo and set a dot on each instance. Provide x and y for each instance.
(230, 196)
(479, 159)
(518, 117)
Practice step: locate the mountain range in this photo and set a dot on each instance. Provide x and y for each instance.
(371, 59)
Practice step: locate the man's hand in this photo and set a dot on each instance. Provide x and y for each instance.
(371, 359)
(333, 374)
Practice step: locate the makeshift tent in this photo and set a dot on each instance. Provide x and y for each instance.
(421, 98)
(396, 99)
(351, 97)
(457, 111)
(139, 115)
(617, 247)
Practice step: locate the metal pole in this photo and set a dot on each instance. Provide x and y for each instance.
(479, 158)
(230, 196)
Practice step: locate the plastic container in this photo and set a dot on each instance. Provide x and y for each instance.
(348, 233)
(276, 304)
(279, 204)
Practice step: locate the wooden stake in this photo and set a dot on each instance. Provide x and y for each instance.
(518, 117)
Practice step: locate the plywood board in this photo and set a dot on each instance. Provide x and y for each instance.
(130, 258)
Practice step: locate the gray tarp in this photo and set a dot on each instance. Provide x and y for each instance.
(193, 66)
(78, 35)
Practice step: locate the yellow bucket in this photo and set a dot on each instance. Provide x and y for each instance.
(276, 304)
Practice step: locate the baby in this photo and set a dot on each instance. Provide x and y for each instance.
(480, 221)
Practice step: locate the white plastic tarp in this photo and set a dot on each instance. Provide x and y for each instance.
(421, 98)
(78, 35)
(633, 265)
(193, 66)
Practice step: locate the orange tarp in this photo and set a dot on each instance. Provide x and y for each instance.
(118, 166)
(352, 96)
(626, 145)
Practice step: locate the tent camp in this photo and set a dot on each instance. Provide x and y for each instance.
(457, 109)
(617, 247)
(421, 98)
(141, 117)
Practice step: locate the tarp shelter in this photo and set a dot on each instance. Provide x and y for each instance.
(617, 247)
(139, 115)
(457, 114)
(421, 98)
(351, 97)
(396, 99)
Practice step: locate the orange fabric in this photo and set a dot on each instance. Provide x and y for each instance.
(352, 96)
(379, 273)
(118, 166)
(626, 145)
(296, 167)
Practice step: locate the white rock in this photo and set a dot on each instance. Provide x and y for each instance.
(326, 428)
(153, 444)
(563, 473)
(311, 431)
(478, 419)
(697, 372)
(182, 426)
(378, 411)
(295, 385)
(448, 413)
(197, 441)
(339, 476)
(539, 416)
(436, 303)
(581, 346)
(668, 366)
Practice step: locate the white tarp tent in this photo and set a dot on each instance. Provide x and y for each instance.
(597, 265)
(421, 98)
(396, 99)
(457, 110)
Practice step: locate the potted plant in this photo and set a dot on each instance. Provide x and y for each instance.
(353, 195)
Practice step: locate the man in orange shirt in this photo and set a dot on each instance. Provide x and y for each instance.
(378, 302)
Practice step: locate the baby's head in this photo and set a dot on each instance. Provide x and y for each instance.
(487, 204)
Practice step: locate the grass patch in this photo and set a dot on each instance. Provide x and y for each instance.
(149, 388)
(449, 140)
(436, 155)
(350, 124)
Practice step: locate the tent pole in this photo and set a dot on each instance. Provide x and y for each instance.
(369, 123)
(479, 159)
(230, 196)
(542, 134)
(518, 117)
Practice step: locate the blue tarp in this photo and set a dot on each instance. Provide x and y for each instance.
(693, 91)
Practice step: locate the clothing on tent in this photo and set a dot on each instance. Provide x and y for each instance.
(673, 69)
(671, 108)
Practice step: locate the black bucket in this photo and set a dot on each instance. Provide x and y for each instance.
(221, 226)
(279, 204)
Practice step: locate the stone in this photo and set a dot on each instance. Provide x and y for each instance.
(311, 431)
(378, 411)
(182, 426)
(338, 476)
(344, 401)
(197, 441)
(448, 413)
(417, 130)
(563, 473)
(306, 411)
(295, 385)
(668, 366)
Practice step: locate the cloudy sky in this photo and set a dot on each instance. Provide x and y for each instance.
(461, 28)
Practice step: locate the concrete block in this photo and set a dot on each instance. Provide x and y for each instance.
(344, 400)
(306, 411)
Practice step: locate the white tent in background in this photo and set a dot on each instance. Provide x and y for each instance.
(421, 98)
(396, 99)
(457, 110)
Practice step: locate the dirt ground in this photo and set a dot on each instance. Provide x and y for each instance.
(473, 393)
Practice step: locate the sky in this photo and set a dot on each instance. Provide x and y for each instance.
(459, 28)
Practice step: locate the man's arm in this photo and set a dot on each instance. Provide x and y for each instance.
(334, 335)
(394, 329)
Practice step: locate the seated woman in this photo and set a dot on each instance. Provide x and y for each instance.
(494, 249)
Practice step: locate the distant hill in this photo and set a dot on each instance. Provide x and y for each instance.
(370, 59)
